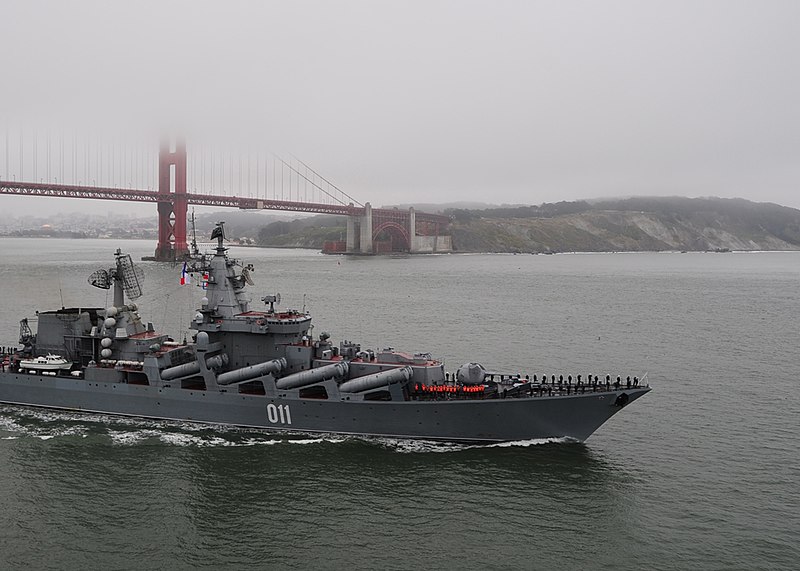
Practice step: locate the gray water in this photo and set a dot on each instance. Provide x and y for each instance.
(702, 473)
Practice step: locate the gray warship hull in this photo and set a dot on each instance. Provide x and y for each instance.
(265, 369)
(496, 420)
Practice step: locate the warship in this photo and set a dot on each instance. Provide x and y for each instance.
(264, 368)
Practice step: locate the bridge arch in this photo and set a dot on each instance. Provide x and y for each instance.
(395, 229)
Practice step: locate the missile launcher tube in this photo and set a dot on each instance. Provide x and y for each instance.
(180, 371)
(303, 378)
(376, 380)
(251, 372)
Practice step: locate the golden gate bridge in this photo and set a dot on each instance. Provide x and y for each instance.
(295, 188)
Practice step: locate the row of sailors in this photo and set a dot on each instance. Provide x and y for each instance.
(449, 388)
(590, 381)
(560, 383)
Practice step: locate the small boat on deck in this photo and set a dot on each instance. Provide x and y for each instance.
(47, 362)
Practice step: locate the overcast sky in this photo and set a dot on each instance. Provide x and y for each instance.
(434, 101)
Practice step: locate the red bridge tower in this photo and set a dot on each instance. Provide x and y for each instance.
(172, 204)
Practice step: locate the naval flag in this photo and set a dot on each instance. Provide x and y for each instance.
(185, 277)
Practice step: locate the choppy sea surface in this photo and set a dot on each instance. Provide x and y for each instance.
(702, 473)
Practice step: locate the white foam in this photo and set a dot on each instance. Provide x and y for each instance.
(127, 438)
(313, 441)
(220, 438)
(532, 442)
(259, 442)
(178, 439)
(435, 446)
(131, 431)
(420, 446)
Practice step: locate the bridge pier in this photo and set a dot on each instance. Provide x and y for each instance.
(172, 206)
(364, 229)
(350, 246)
(365, 243)
(412, 231)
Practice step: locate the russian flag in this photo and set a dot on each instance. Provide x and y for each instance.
(185, 277)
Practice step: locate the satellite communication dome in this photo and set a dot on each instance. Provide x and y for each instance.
(471, 374)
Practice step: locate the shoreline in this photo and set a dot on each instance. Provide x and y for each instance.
(407, 254)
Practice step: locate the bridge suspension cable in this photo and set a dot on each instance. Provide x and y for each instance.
(46, 160)
(353, 200)
(292, 168)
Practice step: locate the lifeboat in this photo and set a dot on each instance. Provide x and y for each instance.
(49, 362)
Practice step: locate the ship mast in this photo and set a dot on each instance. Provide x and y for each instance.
(194, 236)
(119, 293)
(219, 234)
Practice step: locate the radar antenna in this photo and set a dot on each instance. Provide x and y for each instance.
(272, 300)
(219, 234)
(125, 277)
(131, 276)
(26, 336)
(102, 278)
(246, 274)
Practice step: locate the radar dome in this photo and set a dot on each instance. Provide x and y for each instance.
(471, 374)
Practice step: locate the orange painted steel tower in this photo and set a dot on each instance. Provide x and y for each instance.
(172, 206)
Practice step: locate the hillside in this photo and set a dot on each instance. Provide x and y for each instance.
(308, 232)
(632, 224)
(635, 224)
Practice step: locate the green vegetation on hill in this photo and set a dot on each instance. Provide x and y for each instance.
(303, 233)
(633, 224)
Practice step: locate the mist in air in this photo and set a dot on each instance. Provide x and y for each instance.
(403, 102)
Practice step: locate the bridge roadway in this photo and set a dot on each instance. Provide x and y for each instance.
(134, 195)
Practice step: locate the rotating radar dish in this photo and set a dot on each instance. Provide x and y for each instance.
(131, 276)
(101, 279)
(246, 276)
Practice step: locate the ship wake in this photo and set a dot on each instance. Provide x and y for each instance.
(16, 423)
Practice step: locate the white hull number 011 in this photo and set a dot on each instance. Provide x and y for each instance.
(279, 414)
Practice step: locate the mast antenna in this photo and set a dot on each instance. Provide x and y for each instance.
(194, 236)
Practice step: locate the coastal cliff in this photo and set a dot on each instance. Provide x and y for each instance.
(636, 224)
(633, 224)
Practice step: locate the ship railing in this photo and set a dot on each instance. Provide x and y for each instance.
(527, 390)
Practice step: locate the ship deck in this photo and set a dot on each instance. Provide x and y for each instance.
(517, 390)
